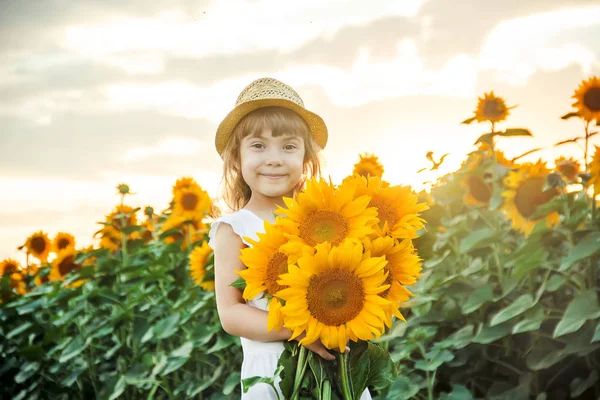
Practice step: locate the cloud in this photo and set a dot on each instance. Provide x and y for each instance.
(169, 146)
(517, 48)
(225, 27)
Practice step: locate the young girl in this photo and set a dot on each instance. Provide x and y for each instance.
(269, 144)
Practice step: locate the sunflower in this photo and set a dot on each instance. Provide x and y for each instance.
(265, 262)
(397, 207)
(595, 170)
(484, 152)
(17, 284)
(122, 217)
(368, 165)
(8, 267)
(62, 240)
(403, 268)
(198, 260)
(491, 108)
(525, 194)
(187, 230)
(38, 245)
(588, 99)
(191, 203)
(568, 168)
(323, 213)
(63, 265)
(479, 192)
(334, 295)
(184, 183)
(41, 279)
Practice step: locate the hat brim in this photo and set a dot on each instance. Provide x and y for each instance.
(315, 123)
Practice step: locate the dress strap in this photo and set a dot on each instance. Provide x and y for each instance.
(243, 222)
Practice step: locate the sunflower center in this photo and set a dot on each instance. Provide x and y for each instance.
(189, 201)
(10, 268)
(480, 190)
(278, 264)
(493, 108)
(323, 226)
(568, 170)
(335, 296)
(63, 243)
(67, 265)
(530, 195)
(386, 212)
(591, 99)
(38, 244)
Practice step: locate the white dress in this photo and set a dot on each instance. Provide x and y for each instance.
(260, 358)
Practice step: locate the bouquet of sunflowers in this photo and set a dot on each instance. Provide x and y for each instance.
(334, 267)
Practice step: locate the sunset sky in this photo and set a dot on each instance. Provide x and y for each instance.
(96, 93)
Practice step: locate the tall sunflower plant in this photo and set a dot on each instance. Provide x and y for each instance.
(493, 110)
(335, 267)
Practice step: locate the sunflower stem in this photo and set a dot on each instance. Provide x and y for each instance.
(585, 151)
(326, 394)
(300, 369)
(346, 386)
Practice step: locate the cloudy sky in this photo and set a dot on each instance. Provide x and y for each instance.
(95, 93)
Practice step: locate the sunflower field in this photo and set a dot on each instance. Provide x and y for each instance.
(506, 304)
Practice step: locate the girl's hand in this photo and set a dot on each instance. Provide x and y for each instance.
(318, 348)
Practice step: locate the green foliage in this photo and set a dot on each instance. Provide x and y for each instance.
(500, 315)
(138, 328)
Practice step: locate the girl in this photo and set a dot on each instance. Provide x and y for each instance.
(269, 144)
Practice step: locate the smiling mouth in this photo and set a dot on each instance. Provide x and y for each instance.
(269, 176)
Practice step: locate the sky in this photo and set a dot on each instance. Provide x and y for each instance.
(97, 93)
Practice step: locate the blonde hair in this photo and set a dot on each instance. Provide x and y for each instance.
(236, 192)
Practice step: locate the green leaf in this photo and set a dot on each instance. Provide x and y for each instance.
(476, 266)
(27, 371)
(370, 365)
(32, 353)
(459, 392)
(166, 327)
(469, 120)
(485, 138)
(518, 307)
(249, 382)
(232, 381)
(435, 359)
(516, 132)
(587, 247)
(19, 329)
(584, 307)
(532, 321)
(461, 338)
(477, 299)
(119, 388)
(31, 306)
(596, 334)
(239, 283)
(489, 334)
(579, 386)
(473, 239)
(555, 283)
(72, 350)
(403, 389)
(570, 115)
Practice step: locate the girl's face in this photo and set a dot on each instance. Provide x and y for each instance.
(272, 166)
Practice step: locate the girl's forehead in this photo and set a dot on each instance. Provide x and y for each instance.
(268, 134)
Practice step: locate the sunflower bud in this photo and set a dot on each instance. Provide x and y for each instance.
(149, 211)
(554, 180)
(123, 188)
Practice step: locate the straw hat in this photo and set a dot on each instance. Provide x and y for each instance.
(268, 92)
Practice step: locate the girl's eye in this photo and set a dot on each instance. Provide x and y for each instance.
(289, 147)
(257, 145)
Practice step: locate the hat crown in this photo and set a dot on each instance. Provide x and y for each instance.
(269, 88)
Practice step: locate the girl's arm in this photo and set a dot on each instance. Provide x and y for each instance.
(238, 318)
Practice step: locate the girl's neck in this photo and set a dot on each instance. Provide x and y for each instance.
(264, 207)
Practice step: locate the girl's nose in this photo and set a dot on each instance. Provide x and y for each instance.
(274, 158)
